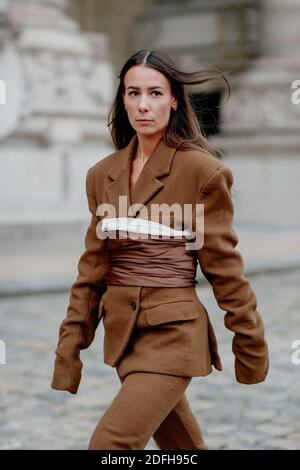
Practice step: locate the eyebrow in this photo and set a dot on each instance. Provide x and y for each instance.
(149, 88)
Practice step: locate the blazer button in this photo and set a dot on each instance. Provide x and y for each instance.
(133, 305)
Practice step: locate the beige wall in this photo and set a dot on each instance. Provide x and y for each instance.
(114, 17)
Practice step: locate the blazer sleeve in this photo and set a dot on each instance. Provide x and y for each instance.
(77, 330)
(223, 267)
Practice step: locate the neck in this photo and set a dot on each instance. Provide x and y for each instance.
(146, 146)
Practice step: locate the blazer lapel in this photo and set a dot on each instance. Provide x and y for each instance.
(147, 184)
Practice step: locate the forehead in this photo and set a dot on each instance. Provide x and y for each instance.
(144, 77)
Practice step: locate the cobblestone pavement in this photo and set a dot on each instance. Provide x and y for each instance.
(232, 415)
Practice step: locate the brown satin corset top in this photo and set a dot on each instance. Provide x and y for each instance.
(150, 262)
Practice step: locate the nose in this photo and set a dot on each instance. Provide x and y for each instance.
(143, 104)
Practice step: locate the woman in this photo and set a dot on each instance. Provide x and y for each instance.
(158, 334)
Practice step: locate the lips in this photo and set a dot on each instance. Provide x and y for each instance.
(144, 120)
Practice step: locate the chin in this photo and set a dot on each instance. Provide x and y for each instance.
(146, 131)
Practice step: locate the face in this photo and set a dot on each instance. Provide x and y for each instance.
(148, 96)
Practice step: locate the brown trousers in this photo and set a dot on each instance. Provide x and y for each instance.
(149, 405)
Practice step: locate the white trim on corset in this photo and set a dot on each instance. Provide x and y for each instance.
(141, 226)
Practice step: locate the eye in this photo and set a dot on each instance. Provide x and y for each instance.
(154, 91)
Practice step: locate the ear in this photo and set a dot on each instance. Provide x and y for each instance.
(174, 102)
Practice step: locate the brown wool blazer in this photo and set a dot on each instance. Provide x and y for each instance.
(169, 176)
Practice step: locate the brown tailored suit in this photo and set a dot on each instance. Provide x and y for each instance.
(165, 330)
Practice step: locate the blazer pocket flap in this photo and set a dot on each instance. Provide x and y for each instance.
(173, 311)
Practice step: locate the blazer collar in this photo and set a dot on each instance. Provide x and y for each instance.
(147, 185)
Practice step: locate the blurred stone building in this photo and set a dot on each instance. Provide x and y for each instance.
(257, 42)
(60, 59)
(53, 125)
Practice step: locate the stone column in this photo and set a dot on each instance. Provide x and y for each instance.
(8, 72)
(261, 125)
(3, 20)
(54, 124)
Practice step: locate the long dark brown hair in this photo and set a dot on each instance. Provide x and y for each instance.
(183, 130)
